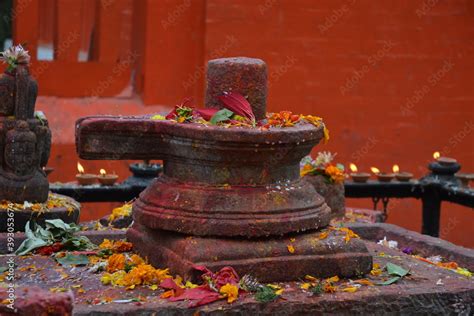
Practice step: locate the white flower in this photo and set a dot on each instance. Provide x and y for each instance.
(392, 244)
(15, 55)
(324, 158)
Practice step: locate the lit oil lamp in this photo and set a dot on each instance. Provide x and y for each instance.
(84, 178)
(382, 176)
(445, 161)
(358, 176)
(401, 176)
(107, 179)
(465, 178)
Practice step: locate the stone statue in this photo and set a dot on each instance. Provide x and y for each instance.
(25, 140)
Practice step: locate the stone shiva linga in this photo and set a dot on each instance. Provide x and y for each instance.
(25, 143)
(228, 196)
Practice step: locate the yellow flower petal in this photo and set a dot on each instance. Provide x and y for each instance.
(305, 286)
(291, 249)
(230, 291)
(333, 279)
(350, 289)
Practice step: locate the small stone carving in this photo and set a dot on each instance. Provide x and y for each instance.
(25, 140)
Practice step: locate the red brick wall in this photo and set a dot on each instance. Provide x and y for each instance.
(392, 79)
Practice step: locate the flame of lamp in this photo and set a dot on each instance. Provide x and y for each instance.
(86, 178)
(107, 179)
(403, 176)
(360, 177)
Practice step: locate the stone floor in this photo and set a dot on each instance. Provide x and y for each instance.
(428, 288)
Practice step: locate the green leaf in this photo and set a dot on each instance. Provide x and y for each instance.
(393, 269)
(30, 244)
(77, 243)
(318, 289)
(3, 269)
(70, 259)
(56, 231)
(265, 294)
(221, 115)
(390, 281)
(59, 224)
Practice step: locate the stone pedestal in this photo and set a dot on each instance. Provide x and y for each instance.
(227, 196)
(267, 259)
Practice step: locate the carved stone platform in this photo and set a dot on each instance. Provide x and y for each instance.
(267, 259)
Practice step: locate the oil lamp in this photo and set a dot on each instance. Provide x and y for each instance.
(445, 161)
(382, 176)
(360, 177)
(401, 176)
(84, 178)
(107, 179)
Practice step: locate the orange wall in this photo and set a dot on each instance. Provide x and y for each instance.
(392, 79)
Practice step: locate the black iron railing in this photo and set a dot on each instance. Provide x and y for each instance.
(441, 184)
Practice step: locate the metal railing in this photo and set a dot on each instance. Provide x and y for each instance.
(441, 184)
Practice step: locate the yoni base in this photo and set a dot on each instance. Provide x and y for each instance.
(267, 259)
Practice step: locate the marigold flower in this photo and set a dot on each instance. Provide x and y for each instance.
(106, 244)
(116, 262)
(122, 211)
(336, 174)
(230, 291)
(116, 246)
(136, 260)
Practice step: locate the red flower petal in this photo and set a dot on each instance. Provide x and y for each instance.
(207, 114)
(237, 104)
